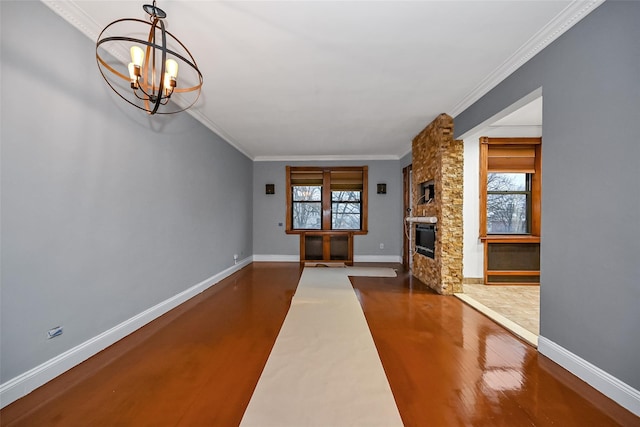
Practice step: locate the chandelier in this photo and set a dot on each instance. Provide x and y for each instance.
(150, 79)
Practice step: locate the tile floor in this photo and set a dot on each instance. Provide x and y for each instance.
(520, 304)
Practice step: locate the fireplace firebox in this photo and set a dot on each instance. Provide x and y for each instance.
(426, 240)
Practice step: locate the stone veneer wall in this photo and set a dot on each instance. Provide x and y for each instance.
(438, 157)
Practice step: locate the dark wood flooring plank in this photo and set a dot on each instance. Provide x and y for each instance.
(449, 365)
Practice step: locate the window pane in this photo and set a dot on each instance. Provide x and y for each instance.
(345, 196)
(507, 213)
(507, 182)
(345, 216)
(307, 193)
(307, 215)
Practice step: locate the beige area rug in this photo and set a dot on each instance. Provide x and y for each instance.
(324, 369)
(371, 271)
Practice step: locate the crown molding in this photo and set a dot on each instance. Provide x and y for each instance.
(73, 14)
(566, 19)
(323, 158)
(215, 128)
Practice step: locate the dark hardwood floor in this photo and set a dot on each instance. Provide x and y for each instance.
(447, 364)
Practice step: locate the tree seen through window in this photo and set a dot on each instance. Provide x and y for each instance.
(346, 210)
(508, 203)
(307, 207)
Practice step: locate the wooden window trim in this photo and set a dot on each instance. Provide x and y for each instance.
(536, 183)
(326, 199)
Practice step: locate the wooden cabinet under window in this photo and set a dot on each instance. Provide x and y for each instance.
(326, 246)
(512, 260)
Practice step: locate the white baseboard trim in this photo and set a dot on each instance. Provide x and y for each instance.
(356, 258)
(377, 258)
(276, 258)
(25, 383)
(625, 395)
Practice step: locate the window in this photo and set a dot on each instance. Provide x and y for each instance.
(307, 206)
(508, 203)
(510, 170)
(331, 198)
(346, 210)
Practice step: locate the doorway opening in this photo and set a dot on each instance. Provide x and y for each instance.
(514, 306)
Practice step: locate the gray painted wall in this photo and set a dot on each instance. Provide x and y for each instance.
(105, 211)
(590, 274)
(385, 211)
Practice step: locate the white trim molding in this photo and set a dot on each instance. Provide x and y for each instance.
(356, 258)
(25, 383)
(276, 258)
(622, 393)
(567, 18)
(324, 158)
(73, 14)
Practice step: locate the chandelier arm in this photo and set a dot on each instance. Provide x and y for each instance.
(142, 98)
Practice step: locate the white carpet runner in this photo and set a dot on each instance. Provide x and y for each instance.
(324, 369)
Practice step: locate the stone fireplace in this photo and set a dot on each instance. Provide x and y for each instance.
(437, 192)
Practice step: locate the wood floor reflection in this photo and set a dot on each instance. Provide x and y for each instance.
(447, 364)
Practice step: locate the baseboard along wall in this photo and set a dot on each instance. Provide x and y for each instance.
(356, 258)
(618, 391)
(25, 383)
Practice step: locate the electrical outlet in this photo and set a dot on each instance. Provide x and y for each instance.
(381, 245)
(235, 258)
(54, 332)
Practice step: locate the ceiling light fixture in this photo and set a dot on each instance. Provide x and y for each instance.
(151, 77)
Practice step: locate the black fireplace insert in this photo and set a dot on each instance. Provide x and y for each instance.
(426, 239)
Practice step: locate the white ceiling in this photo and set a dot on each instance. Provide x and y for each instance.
(528, 115)
(342, 79)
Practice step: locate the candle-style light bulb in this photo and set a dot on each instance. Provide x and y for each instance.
(171, 67)
(137, 59)
(170, 75)
(137, 56)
